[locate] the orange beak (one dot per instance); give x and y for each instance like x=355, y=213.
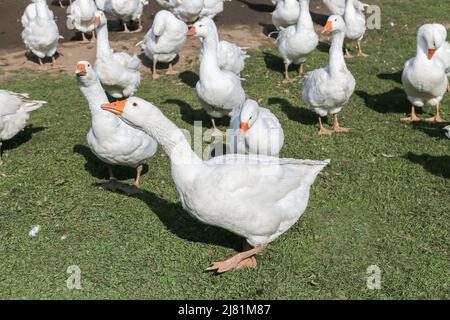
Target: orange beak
x=244, y=126
x=96, y=21
x=115, y=107
x=81, y=70
x=431, y=53
x=328, y=27
x=191, y=32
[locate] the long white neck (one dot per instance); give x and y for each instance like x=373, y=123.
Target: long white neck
x=304, y=19
x=103, y=48
x=337, y=61
x=350, y=10
x=42, y=10
x=422, y=50
x=96, y=97
x=172, y=140
x=209, y=65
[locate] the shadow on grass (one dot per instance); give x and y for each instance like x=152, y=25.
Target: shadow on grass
x=275, y=63
x=258, y=6
x=437, y=165
x=434, y=130
x=394, y=101
x=21, y=138
x=99, y=170
x=299, y=114
x=180, y=223
x=396, y=76
x=189, y=114
x=190, y=78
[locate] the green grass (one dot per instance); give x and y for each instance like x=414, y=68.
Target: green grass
x=384, y=199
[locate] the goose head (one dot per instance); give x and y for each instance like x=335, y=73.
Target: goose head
x=249, y=114
x=429, y=39
x=447, y=131
x=334, y=24
x=135, y=111
x=100, y=19
x=203, y=28
x=85, y=73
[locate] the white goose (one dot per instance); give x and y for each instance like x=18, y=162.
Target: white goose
x=295, y=43
x=81, y=17
x=124, y=10
x=255, y=130
x=285, y=14
x=337, y=7
x=186, y=10
x=444, y=51
x=211, y=8
x=230, y=57
x=118, y=71
x=424, y=78
x=329, y=88
x=40, y=34
x=164, y=40
x=110, y=139
x=256, y=197
x=219, y=91
x=355, y=22
x=14, y=113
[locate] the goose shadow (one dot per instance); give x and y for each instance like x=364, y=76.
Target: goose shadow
x=30, y=56
x=434, y=130
x=437, y=165
x=259, y=7
x=393, y=101
x=99, y=170
x=269, y=30
x=298, y=114
x=274, y=63
x=180, y=223
x=148, y=63
x=189, y=114
x=395, y=76
x=323, y=46
x=189, y=78
x=319, y=18
x=21, y=138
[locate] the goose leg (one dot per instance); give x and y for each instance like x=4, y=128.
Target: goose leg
x=437, y=117
x=413, y=117
x=360, y=52
x=336, y=126
x=217, y=132
x=301, y=70
x=286, y=74
x=94, y=37
x=155, y=74
x=60, y=4
x=125, y=27
x=139, y=29
x=347, y=53
x=40, y=62
x=233, y=262
x=137, y=182
x=249, y=262
x=1, y=161
x=53, y=60
x=85, y=40
x=171, y=71
x=322, y=130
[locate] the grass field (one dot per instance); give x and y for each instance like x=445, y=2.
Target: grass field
x=384, y=200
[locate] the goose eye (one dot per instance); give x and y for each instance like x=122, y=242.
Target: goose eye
x=134, y=104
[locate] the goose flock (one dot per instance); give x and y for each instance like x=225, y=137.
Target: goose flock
x=229, y=191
